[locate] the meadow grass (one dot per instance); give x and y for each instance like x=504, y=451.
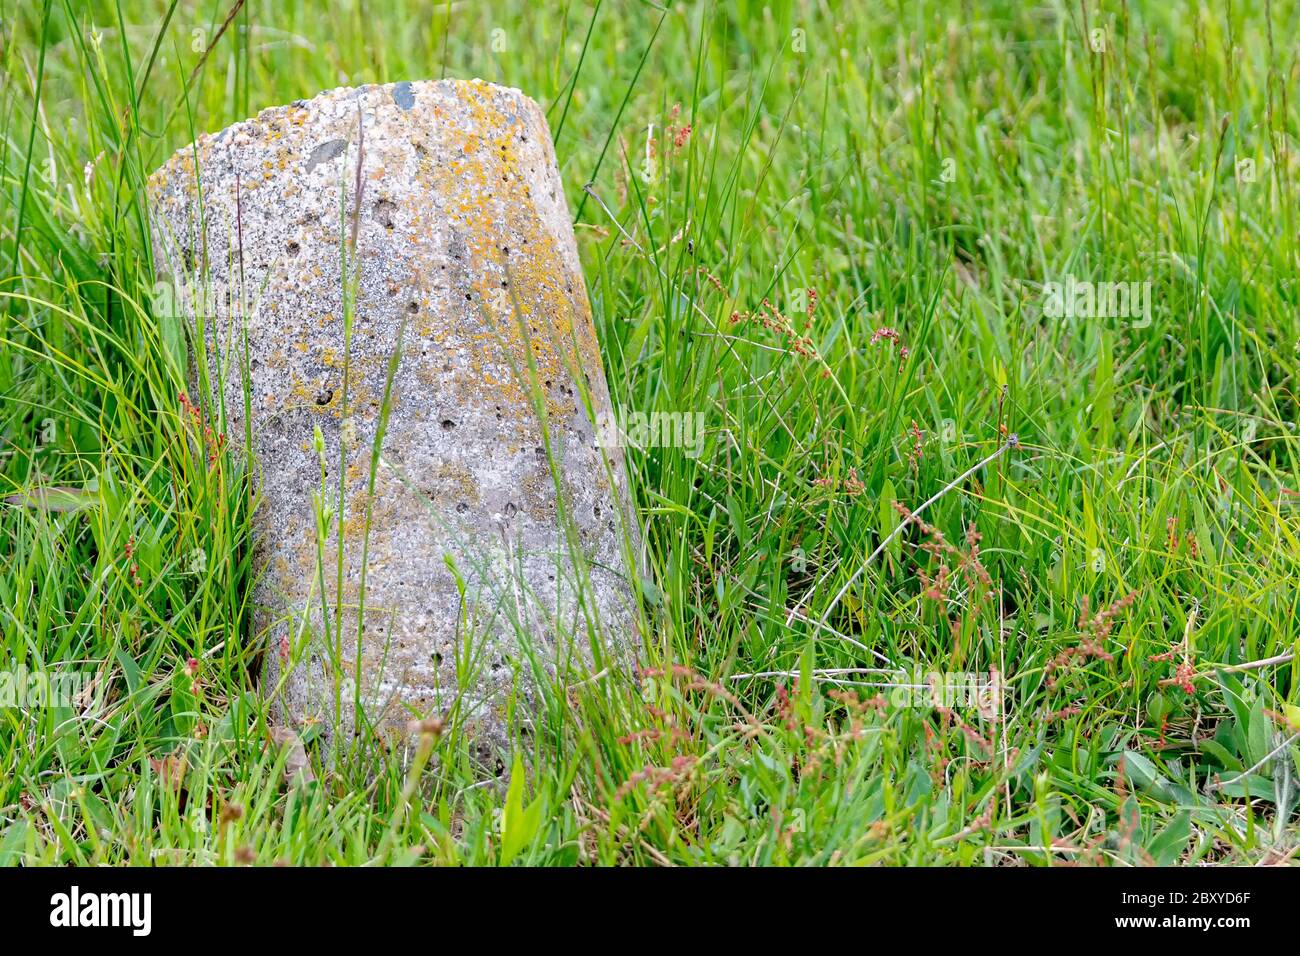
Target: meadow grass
x=851, y=237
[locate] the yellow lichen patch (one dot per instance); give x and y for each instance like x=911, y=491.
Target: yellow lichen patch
x=530, y=300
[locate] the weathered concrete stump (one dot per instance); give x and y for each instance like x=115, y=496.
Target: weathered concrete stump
x=465, y=251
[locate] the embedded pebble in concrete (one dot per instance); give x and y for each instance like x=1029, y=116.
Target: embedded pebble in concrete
x=464, y=247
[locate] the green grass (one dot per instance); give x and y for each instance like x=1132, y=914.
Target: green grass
x=925, y=167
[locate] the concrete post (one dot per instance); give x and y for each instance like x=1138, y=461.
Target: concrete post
x=489, y=465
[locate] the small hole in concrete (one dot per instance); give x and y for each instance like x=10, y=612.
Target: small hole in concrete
x=384, y=210
x=448, y=424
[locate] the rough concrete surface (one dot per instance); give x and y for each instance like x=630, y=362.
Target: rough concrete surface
x=464, y=240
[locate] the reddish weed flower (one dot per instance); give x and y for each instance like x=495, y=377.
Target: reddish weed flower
x=968, y=562
x=769, y=318
x=1096, y=629
x=653, y=735
x=857, y=704
x=1184, y=675
x=716, y=283
x=133, y=567
x=917, y=452
x=852, y=484
x=937, y=589
x=210, y=442
x=673, y=775
x=1103, y=621
x=889, y=334
x=785, y=705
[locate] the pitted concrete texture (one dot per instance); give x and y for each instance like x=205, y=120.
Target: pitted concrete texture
x=464, y=240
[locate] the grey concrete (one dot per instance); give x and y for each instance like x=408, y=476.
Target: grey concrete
x=464, y=238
